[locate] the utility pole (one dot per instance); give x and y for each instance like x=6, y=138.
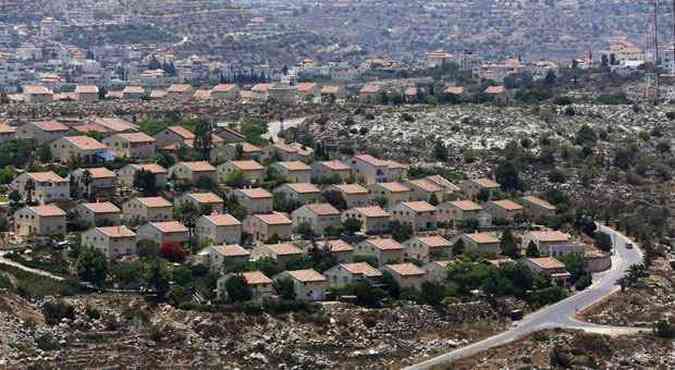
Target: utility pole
x=673, y=60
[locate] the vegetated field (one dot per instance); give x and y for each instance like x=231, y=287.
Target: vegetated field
x=121, y=34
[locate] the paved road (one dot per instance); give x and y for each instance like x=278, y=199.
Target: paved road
x=561, y=314
x=6, y=261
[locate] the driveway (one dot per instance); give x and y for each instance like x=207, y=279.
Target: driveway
x=563, y=313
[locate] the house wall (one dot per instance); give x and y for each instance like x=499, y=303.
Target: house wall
x=314, y=291
x=110, y=247
x=45, y=192
x=255, y=206
x=27, y=223
x=135, y=211
x=95, y=219
x=218, y=234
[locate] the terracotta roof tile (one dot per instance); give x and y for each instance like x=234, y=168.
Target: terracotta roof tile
x=223, y=220
x=48, y=176
x=154, y=202
x=373, y=211
x=394, y=187
x=284, y=249
x=303, y=188
x=540, y=202
x=102, y=207
x=247, y=165
x=182, y=132
x=85, y=142
x=48, y=211
x=550, y=236
x=547, y=263
x=351, y=189
x=466, y=205
x=434, y=241
x=116, y=231
x=275, y=218
x=323, y=209
x=406, y=269
x=419, y=206
x=198, y=166
x=51, y=126
x=206, y=198
x=483, y=238
x=137, y=137
x=361, y=268
x=256, y=278
x=101, y=173
x=294, y=166
x=233, y=250
x=508, y=205
x=255, y=193
x=385, y=244
x=336, y=165
x=307, y=276
x=170, y=227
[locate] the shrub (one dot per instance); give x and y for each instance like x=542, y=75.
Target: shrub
x=173, y=252
x=584, y=282
x=47, y=342
x=92, y=313
x=664, y=329
x=54, y=312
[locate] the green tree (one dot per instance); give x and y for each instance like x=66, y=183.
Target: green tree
x=532, y=250
x=188, y=213
x=575, y=265
x=440, y=151
x=45, y=154
x=6, y=175
x=432, y=293
x=508, y=176
x=235, y=179
x=401, y=231
x=284, y=288
x=146, y=183
x=204, y=139
x=237, y=289
x=433, y=200
x=458, y=248
x=157, y=277
x=508, y=245
x=586, y=136
x=92, y=266
x=366, y=294
x=352, y=225
x=305, y=230
x=390, y=285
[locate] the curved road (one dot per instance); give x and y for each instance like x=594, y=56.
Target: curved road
x=561, y=314
x=7, y=261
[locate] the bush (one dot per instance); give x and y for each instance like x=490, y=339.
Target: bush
x=92, y=313
x=173, y=252
x=54, y=312
x=664, y=329
x=47, y=342
x=584, y=282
